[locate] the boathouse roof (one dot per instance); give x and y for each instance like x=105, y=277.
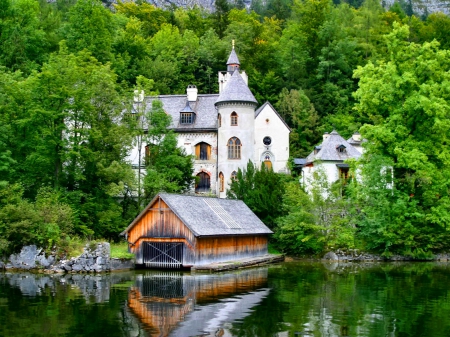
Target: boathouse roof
x=206, y=216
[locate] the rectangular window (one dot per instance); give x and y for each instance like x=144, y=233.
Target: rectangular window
x=186, y=118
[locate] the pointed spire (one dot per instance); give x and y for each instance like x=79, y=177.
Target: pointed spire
x=233, y=59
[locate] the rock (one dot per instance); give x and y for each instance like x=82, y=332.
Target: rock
x=331, y=256
x=26, y=259
x=67, y=267
x=2, y=265
x=77, y=267
x=120, y=264
x=45, y=262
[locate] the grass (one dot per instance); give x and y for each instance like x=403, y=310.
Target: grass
x=120, y=251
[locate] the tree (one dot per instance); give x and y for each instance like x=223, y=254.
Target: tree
x=68, y=132
x=407, y=101
x=45, y=222
x=90, y=27
x=24, y=43
x=261, y=190
x=168, y=167
x=316, y=219
x=297, y=110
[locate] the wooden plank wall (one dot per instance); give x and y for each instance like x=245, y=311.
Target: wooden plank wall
x=161, y=224
x=226, y=248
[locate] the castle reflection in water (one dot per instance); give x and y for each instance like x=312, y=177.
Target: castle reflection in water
x=181, y=304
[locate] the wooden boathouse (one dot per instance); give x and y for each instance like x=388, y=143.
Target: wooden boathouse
x=177, y=231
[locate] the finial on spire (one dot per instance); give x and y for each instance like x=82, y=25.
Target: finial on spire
x=232, y=43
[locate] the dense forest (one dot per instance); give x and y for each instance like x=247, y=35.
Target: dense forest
x=68, y=70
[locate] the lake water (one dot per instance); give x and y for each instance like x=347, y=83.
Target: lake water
x=288, y=299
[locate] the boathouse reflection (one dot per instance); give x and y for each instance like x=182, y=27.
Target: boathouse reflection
x=181, y=304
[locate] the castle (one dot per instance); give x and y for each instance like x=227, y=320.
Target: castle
x=225, y=130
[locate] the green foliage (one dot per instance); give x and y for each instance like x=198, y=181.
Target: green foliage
x=409, y=133
x=261, y=190
x=65, y=68
x=315, y=220
x=91, y=27
x=298, y=111
x=44, y=222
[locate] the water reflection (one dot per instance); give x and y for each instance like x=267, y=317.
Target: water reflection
x=289, y=299
x=177, y=304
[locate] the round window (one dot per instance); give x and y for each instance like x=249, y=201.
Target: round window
x=267, y=140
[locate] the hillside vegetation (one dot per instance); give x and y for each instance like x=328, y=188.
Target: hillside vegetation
x=68, y=70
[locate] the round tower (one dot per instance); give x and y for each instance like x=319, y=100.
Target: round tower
x=236, y=115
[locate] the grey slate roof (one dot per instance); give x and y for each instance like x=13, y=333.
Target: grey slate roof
x=195, y=213
x=268, y=103
x=233, y=59
x=205, y=111
x=328, y=150
x=299, y=161
x=236, y=90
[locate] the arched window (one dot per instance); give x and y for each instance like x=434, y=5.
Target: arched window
x=233, y=175
x=221, y=182
x=234, y=118
x=268, y=162
x=219, y=120
x=202, y=151
x=234, y=148
x=203, y=183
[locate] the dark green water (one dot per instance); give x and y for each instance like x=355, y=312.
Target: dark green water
x=289, y=299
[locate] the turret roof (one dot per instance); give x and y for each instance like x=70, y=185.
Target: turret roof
x=236, y=90
x=233, y=59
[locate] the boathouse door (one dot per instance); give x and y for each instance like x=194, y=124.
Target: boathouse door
x=163, y=254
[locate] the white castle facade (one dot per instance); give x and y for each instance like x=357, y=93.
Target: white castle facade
x=224, y=131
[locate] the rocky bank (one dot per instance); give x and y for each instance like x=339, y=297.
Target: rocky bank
x=96, y=258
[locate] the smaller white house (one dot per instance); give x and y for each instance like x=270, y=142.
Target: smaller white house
x=329, y=158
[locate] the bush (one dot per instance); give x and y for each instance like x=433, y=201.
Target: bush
x=22, y=222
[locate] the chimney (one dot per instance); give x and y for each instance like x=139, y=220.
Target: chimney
x=356, y=137
x=139, y=96
x=191, y=92
x=326, y=135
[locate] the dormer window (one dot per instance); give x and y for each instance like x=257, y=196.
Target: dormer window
x=187, y=115
x=341, y=148
x=317, y=149
x=186, y=118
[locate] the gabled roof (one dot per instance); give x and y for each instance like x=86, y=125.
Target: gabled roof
x=205, y=216
x=206, y=114
x=257, y=112
x=329, y=150
x=233, y=59
x=236, y=90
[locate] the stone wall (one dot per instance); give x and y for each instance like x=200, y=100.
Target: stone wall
x=95, y=258
x=354, y=255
